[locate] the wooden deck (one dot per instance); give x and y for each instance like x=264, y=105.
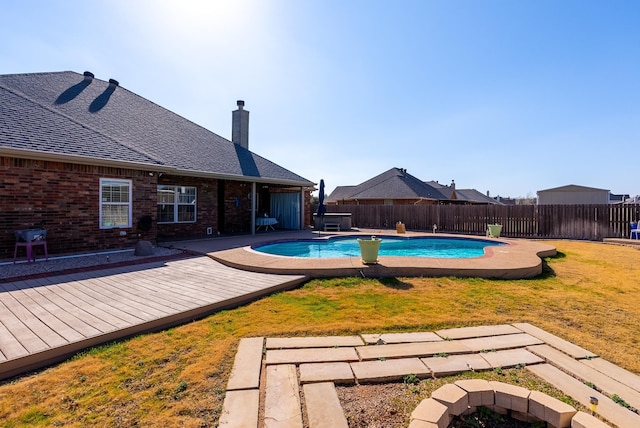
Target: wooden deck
x=46, y=320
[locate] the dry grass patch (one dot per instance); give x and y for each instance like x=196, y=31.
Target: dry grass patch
x=588, y=295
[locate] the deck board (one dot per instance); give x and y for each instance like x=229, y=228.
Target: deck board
x=42, y=318
x=50, y=329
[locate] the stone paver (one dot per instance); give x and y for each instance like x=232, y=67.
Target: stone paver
x=310, y=355
x=587, y=374
x=452, y=396
x=479, y=391
x=389, y=370
x=430, y=410
x=453, y=364
x=507, y=341
x=567, y=347
x=245, y=373
x=511, y=397
x=424, y=349
x=585, y=420
x=511, y=358
x=240, y=409
x=550, y=409
x=480, y=331
x=326, y=372
x=417, y=423
x=282, y=398
x=580, y=392
x=313, y=342
x=323, y=406
x=427, y=336
x=616, y=372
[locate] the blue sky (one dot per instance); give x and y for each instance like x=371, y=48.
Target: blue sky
x=507, y=96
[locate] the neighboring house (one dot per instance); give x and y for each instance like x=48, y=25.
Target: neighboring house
x=573, y=195
x=101, y=167
x=463, y=196
x=393, y=187
x=397, y=187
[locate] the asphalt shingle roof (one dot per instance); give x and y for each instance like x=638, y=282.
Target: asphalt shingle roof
x=63, y=114
x=392, y=184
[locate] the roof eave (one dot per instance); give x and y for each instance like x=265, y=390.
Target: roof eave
x=87, y=160
x=79, y=159
x=237, y=177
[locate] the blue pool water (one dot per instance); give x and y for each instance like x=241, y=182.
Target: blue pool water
x=390, y=246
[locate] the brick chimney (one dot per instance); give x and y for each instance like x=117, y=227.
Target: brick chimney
x=240, y=126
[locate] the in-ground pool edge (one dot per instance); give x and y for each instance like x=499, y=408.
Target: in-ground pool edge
x=520, y=259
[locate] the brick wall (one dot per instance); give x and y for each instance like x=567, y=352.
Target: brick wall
x=206, y=209
x=64, y=199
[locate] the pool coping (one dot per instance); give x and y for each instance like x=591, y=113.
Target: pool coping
x=519, y=259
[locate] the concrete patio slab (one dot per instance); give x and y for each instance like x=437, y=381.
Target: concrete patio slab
x=310, y=355
x=282, y=398
x=245, y=373
x=389, y=370
x=453, y=364
x=313, y=342
x=339, y=373
x=602, y=381
x=323, y=406
x=491, y=343
x=616, y=372
x=388, y=338
x=585, y=420
x=565, y=346
x=240, y=409
x=479, y=331
x=511, y=358
x=423, y=349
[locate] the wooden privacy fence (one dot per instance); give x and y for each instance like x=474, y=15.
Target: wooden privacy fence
x=589, y=222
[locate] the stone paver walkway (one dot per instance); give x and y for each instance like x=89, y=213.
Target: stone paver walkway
x=295, y=378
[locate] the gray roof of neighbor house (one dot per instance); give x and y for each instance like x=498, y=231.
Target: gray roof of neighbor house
x=464, y=195
x=573, y=188
x=395, y=183
x=65, y=116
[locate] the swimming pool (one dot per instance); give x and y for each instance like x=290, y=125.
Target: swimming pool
x=390, y=246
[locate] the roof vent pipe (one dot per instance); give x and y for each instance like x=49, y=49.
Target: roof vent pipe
x=88, y=76
x=453, y=184
x=113, y=83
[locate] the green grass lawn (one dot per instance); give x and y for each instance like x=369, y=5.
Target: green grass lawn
x=588, y=295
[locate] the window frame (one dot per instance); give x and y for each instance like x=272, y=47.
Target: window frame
x=129, y=204
x=177, y=204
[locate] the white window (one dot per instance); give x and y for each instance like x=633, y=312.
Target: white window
x=176, y=204
x=115, y=203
